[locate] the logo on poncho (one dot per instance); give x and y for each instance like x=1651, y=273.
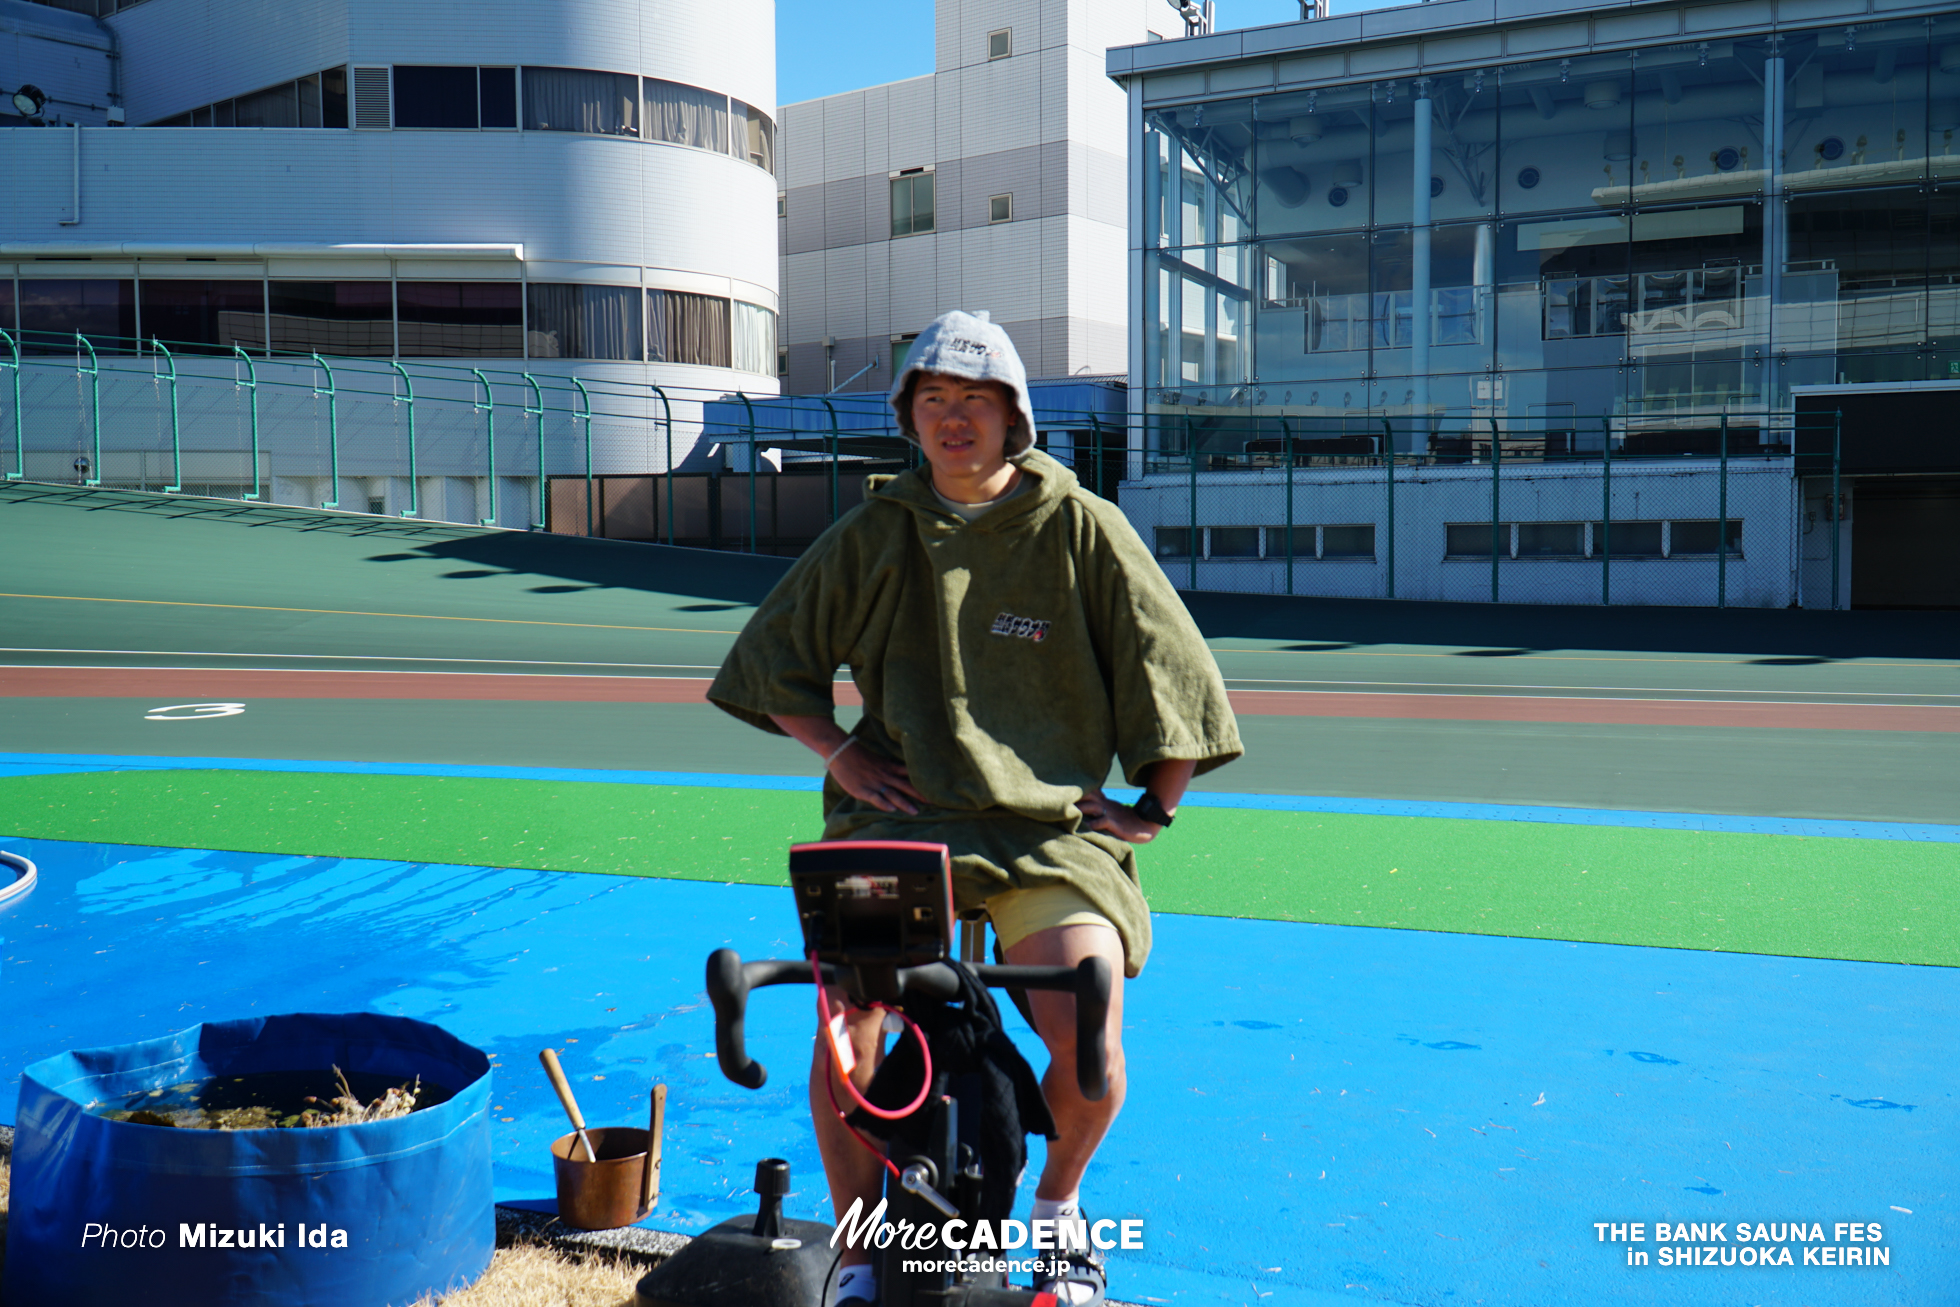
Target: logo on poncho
x=1021, y=628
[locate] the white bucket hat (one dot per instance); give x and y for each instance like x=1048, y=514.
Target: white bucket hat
x=971, y=346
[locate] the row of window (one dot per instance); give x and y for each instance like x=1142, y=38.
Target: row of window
x=1664, y=538
x=316, y=100
x=406, y=319
x=912, y=193
x=463, y=97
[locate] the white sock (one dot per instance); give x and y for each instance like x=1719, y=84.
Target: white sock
x=860, y=1282
x=1071, y=1233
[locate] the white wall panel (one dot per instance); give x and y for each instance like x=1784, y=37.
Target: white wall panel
x=803, y=295
x=909, y=124
x=999, y=106
x=843, y=136
x=844, y=291
x=914, y=282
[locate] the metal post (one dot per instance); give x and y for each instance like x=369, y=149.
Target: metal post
x=20, y=448
x=95, y=404
x=586, y=417
x=1191, y=453
x=176, y=435
x=414, y=483
x=668, y=410
x=489, y=410
x=1496, y=466
x=1286, y=446
x=1722, y=523
x=333, y=434
x=1606, y=514
x=1837, y=502
x=251, y=386
x=755, y=456
x=1388, y=444
x=833, y=462
x=537, y=394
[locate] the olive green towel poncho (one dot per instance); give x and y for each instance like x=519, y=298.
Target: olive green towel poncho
x=1005, y=662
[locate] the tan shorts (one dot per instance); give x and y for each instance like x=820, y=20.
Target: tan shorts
x=1019, y=913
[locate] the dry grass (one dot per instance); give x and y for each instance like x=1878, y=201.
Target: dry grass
x=527, y=1275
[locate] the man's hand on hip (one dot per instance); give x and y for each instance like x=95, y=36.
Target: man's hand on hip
x=1108, y=817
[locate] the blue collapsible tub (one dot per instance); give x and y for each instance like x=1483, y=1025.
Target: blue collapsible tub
x=109, y=1211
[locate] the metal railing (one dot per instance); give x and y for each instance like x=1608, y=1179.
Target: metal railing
x=1723, y=508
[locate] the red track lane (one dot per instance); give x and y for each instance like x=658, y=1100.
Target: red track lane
x=160, y=686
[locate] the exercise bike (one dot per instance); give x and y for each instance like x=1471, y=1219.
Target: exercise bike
x=877, y=919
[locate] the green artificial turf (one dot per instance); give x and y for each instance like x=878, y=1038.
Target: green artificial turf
x=1873, y=900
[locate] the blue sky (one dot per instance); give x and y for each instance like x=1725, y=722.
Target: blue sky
x=824, y=48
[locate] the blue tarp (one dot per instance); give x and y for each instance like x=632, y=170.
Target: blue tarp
x=110, y=1211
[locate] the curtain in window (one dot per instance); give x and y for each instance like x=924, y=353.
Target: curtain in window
x=575, y=100
x=684, y=328
x=584, y=322
x=687, y=115
x=753, y=136
x=754, y=339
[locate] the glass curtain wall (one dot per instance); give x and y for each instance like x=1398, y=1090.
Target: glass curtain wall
x=1660, y=237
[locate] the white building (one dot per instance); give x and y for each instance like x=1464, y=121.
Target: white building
x=996, y=182
x=505, y=200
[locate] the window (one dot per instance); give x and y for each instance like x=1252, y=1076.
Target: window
x=754, y=339
x=1173, y=542
x=1000, y=44
x=1348, y=541
x=276, y=106
x=315, y=100
x=1699, y=538
x=578, y=100
x=753, y=136
x=782, y=360
x=468, y=319
x=1629, y=540
x=1000, y=208
x=1356, y=541
x=902, y=350
x=435, y=97
x=686, y=328
x=204, y=317
x=1234, y=541
x=782, y=204
x=332, y=317
x=53, y=311
x=911, y=202
x=1551, y=540
x=687, y=115
x=7, y=305
x=496, y=97
x=583, y=322
x=1474, y=540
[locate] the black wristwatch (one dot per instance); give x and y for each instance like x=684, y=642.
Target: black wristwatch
x=1151, y=809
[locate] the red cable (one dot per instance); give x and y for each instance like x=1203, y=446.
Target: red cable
x=925, y=1051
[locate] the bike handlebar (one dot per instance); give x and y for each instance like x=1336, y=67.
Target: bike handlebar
x=730, y=979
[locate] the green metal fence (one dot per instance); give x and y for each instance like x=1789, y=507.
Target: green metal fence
x=1722, y=509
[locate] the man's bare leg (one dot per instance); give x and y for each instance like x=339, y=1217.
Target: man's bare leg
x=1080, y=1123
x=852, y=1170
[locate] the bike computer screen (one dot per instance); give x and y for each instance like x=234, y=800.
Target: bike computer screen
x=883, y=902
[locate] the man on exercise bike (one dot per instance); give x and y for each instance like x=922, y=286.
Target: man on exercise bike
x=1010, y=636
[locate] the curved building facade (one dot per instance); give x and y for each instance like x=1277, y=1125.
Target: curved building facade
x=541, y=193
